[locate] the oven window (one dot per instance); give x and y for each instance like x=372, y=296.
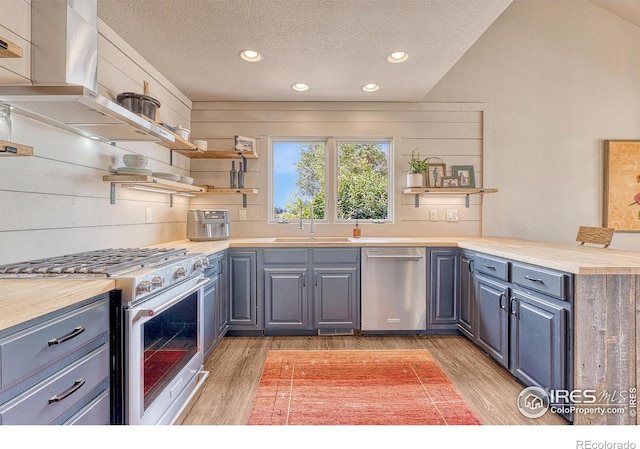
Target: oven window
x=170, y=341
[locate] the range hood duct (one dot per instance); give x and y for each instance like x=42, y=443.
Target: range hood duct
x=64, y=69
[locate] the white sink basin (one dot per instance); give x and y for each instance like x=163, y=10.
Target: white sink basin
x=311, y=240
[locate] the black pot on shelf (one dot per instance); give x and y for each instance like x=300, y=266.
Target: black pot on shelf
x=139, y=104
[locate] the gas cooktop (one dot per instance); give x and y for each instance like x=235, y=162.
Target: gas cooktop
x=109, y=262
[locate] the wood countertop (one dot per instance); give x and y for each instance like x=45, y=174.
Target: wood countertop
x=576, y=259
x=23, y=300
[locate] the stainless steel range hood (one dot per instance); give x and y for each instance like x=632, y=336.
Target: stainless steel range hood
x=64, y=72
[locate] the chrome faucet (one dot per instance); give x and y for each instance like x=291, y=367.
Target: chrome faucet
x=312, y=232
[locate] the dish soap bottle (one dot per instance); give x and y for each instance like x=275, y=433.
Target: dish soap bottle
x=233, y=176
x=357, y=232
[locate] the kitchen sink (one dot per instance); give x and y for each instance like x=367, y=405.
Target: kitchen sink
x=312, y=240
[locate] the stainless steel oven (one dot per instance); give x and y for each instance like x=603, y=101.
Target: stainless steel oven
x=163, y=346
x=156, y=325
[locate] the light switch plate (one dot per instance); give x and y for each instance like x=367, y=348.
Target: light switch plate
x=433, y=215
x=452, y=215
x=242, y=215
x=148, y=215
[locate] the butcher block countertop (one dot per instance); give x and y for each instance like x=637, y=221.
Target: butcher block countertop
x=22, y=300
x=576, y=259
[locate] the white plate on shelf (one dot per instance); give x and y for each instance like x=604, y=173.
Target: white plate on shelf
x=167, y=176
x=133, y=171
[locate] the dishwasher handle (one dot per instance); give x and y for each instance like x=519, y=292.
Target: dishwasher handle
x=415, y=257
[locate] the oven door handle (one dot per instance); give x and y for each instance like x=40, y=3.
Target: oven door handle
x=147, y=313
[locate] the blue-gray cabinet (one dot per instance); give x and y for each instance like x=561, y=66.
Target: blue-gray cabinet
x=216, y=303
x=222, y=315
x=444, y=288
x=523, y=319
x=56, y=369
x=466, y=304
x=308, y=289
x=243, y=294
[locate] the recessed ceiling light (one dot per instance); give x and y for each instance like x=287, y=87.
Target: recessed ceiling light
x=397, y=56
x=250, y=55
x=371, y=87
x=300, y=87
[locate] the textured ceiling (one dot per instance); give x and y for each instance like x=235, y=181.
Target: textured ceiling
x=335, y=46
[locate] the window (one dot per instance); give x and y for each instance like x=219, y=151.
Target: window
x=336, y=178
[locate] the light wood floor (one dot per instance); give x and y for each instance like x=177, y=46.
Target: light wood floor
x=236, y=364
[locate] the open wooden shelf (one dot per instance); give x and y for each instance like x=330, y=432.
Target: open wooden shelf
x=215, y=191
x=14, y=149
x=417, y=191
x=153, y=182
x=188, y=149
x=8, y=49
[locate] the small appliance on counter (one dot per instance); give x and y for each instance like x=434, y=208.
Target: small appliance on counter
x=203, y=225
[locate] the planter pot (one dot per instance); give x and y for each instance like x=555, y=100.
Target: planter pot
x=414, y=180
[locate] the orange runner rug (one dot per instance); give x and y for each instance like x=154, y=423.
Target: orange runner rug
x=403, y=387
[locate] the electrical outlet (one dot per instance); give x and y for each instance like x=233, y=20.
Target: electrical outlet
x=452, y=215
x=242, y=215
x=148, y=215
x=433, y=215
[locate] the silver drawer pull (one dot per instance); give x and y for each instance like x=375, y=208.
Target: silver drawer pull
x=74, y=333
x=65, y=394
x=491, y=267
x=529, y=278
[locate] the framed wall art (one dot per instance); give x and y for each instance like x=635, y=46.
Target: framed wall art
x=622, y=185
x=436, y=173
x=466, y=174
x=451, y=182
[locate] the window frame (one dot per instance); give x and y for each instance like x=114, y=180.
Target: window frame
x=331, y=175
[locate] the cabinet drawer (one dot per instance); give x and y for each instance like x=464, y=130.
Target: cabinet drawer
x=550, y=282
x=32, y=349
x=336, y=255
x=292, y=255
x=492, y=266
x=96, y=412
x=60, y=393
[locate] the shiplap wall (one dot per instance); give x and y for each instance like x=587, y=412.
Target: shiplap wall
x=55, y=201
x=453, y=132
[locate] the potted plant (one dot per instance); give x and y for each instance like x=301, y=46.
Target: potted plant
x=417, y=168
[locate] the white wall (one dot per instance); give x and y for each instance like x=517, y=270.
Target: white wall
x=55, y=202
x=451, y=131
x=561, y=77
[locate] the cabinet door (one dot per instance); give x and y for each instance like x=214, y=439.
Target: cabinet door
x=443, y=289
x=209, y=319
x=492, y=331
x=242, y=289
x=538, y=339
x=285, y=298
x=336, y=299
x=222, y=315
x=466, y=305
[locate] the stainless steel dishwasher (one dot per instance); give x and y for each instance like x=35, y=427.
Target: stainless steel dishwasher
x=394, y=289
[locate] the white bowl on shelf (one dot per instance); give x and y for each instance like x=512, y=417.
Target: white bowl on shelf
x=135, y=160
x=186, y=180
x=202, y=144
x=167, y=176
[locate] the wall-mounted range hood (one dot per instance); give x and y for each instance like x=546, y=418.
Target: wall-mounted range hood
x=64, y=72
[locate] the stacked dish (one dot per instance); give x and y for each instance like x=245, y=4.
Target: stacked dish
x=167, y=176
x=186, y=180
x=134, y=165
